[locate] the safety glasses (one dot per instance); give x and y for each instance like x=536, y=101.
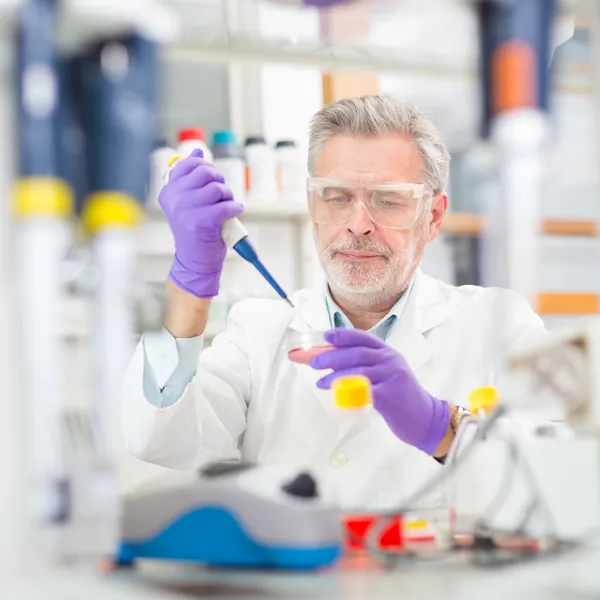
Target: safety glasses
x=389, y=205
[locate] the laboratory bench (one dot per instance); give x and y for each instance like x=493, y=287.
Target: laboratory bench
x=573, y=575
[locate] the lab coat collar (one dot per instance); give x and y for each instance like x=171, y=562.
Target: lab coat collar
x=426, y=307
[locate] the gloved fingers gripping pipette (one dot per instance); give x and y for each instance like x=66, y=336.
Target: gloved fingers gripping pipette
x=199, y=255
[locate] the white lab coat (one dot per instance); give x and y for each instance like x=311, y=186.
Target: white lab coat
x=248, y=400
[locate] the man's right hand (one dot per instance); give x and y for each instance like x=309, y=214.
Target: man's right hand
x=196, y=201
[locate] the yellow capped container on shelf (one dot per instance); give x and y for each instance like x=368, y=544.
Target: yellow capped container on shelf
x=352, y=392
x=483, y=399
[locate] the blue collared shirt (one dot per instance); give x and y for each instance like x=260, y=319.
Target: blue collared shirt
x=382, y=329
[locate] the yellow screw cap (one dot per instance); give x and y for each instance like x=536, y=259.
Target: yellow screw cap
x=483, y=398
x=42, y=197
x=352, y=392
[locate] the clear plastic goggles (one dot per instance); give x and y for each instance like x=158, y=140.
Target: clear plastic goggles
x=389, y=205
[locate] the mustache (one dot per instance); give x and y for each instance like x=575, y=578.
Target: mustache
x=359, y=245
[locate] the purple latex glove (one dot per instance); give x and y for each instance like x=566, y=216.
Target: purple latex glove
x=413, y=415
x=196, y=201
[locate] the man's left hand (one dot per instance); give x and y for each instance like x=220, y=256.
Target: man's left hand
x=413, y=415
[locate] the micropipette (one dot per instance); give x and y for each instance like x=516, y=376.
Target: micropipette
x=235, y=236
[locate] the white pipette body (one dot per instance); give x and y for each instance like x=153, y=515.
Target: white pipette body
x=232, y=231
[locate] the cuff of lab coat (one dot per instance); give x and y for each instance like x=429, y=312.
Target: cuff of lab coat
x=169, y=366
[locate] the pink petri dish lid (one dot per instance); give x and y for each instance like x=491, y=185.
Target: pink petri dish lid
x=302, y=356
x=301, y=346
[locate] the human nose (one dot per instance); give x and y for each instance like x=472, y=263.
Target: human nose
x=360, y=222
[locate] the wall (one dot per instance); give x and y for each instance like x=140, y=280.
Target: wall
x=194, y=95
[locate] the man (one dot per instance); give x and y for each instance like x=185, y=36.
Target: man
x=377, y=169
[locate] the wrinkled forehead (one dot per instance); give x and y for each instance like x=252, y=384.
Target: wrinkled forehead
x=370, y=160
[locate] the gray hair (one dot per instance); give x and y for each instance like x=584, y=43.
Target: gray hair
x=373, y=116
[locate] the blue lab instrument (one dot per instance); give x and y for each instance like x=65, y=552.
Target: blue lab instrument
x=232, y=515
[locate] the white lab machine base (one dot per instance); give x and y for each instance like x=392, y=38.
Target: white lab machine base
x=493, y=490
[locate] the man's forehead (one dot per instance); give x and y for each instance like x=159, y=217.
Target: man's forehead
x=369, y=160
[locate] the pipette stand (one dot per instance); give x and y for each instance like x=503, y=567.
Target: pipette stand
x=75, y=516
x=516, y=47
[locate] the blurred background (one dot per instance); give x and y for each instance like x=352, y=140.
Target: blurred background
x=243, y=69
x=263, y=68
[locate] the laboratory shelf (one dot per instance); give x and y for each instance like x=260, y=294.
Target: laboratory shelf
x=240, y=48
x=468, y=224
x=572, y=227
x=375, y=36
x=155, y=238
x=565, y=303
x=155, y=242
x=267, y=31
x=275, y=211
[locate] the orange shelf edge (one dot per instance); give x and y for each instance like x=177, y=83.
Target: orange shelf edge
x=570, y=227
x=558, y=303
x=462, y=224
x=469, y=224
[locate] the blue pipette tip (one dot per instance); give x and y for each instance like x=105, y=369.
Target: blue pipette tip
x=245, y=249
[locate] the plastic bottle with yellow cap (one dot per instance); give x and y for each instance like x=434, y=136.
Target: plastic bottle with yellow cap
x=353, y=400
x=352, y=393
x=483, y=400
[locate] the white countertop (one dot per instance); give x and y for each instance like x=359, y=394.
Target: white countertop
x=575, y=575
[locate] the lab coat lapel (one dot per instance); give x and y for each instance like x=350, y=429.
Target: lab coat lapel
x=426, y=308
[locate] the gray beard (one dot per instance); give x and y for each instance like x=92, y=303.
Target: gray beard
x=378, y=296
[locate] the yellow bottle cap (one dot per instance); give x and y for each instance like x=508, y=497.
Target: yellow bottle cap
x=483, y=398
x=352, y=392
